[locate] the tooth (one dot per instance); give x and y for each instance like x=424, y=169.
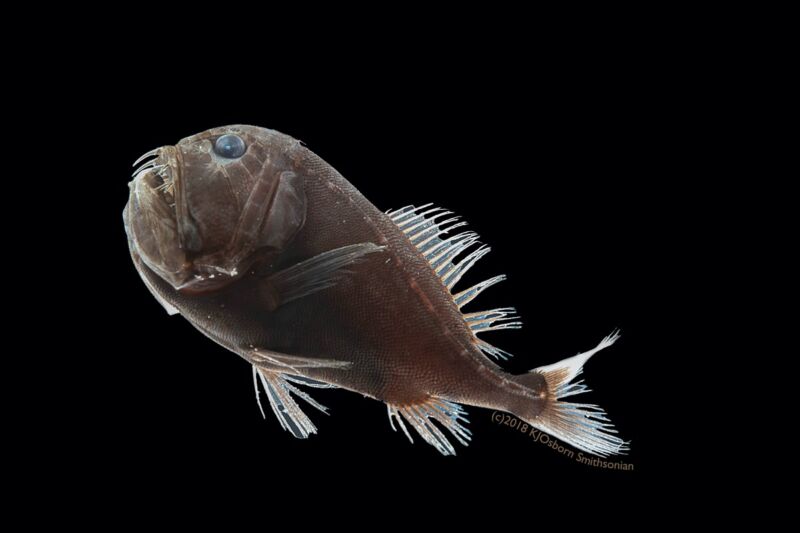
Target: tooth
x=147, y=165
x=154, y=151
x=144, y=170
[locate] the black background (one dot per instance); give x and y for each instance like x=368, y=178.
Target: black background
x=564, y=167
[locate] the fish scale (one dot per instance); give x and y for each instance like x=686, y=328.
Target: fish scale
x=306, y=280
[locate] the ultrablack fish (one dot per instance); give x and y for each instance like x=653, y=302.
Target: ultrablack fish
x=271, y=253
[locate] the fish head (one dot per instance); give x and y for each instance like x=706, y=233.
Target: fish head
x=202, y=211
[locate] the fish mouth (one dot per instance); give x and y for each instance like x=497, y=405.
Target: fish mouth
x=159, y=169
x=153, y=214
x=157, y=185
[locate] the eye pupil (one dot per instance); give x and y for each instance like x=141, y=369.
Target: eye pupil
x=230, y=146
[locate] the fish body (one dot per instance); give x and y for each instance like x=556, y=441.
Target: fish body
x=274, y=255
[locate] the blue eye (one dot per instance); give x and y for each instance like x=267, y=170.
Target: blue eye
x=230, y=146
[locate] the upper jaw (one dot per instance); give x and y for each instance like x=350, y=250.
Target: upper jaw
x=158, y=177
x=160, y=169
x=156, y=164
x=154, y=188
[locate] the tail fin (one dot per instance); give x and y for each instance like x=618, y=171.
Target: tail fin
x=581, y=425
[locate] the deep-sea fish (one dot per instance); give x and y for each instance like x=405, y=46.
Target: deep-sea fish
x=271, y=253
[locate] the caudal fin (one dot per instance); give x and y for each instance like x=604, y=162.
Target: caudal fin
x=581, y=425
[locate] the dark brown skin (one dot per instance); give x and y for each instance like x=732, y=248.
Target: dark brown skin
x=389, y=318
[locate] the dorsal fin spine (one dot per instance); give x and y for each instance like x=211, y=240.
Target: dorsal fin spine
x=464, y=265
x=434, y=228
x=405, y=225
x=412, y=228
x=423, y=227
x=431, y=241
x=467, y=295
x=437, y=253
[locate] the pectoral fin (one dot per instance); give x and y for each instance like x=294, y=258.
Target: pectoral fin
x=315, y=274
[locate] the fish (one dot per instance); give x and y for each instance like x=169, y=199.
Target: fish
x=271, y=253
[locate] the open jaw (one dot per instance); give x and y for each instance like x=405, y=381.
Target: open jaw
x=171, y=206
x=166, y=237
x=158, y=171
x=152, y=218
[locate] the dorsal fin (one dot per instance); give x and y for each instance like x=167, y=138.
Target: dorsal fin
x=426, y=227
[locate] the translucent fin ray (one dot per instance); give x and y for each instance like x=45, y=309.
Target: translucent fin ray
x=466, y=296
x=421, y=416
x=279, y=392
x=425, y=229
x=308, y=382
x=584, y=426
x=458, y=270
x=317, y=273
x=492, y=351
x=494, y=319
x=270, y=361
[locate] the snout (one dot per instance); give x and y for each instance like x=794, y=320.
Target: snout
x=151, y=219
x=160, y=169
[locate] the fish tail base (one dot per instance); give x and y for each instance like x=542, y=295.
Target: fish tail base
x=583, y=426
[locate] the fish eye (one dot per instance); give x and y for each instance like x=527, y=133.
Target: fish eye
x=230, y=146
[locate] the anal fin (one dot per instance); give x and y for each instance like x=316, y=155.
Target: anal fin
x=421, y=416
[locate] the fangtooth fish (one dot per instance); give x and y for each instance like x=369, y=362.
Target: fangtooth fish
x=271, y=253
